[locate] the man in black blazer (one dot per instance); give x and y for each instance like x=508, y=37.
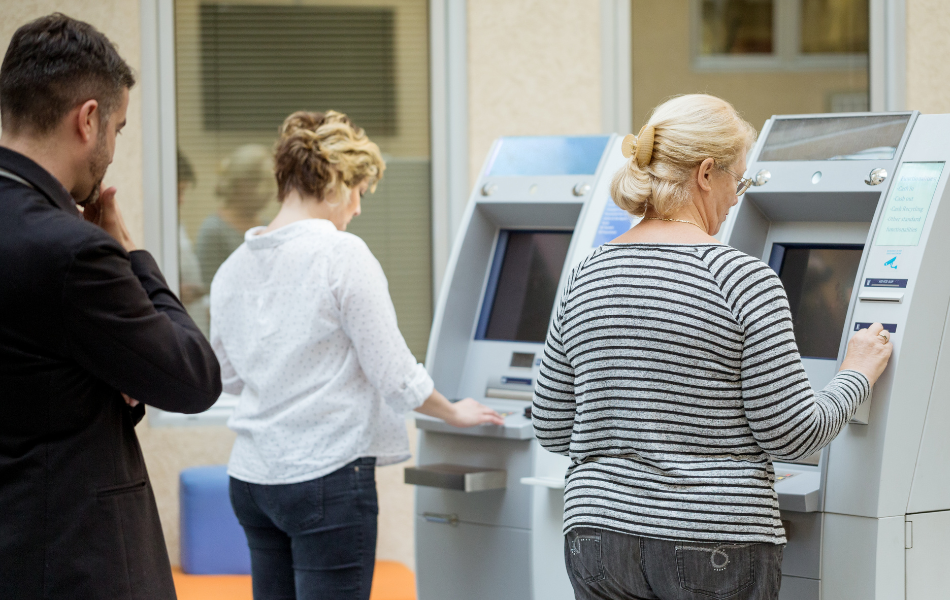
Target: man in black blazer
x=88, y=328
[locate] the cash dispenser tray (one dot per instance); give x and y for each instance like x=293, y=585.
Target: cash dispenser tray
x=457, y=477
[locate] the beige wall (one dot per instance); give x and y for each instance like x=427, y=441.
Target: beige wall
x=118, y=19
x=928, y=46
x=534, y=69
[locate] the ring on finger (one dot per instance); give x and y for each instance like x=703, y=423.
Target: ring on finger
x=884, y=335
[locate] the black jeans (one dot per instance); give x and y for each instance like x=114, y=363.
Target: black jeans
x=606, y=565
x=311, y=540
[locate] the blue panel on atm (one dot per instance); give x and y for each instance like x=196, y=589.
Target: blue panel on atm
x=888, y=283
x=548, y=155
x=891, y=327
x=613, y=223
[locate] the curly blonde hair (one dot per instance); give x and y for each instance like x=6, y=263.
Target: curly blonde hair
x=323, y=154
x=680, y=134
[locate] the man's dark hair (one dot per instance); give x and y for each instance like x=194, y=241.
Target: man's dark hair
x=54, y=64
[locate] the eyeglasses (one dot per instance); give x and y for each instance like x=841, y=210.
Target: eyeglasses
x=744, y=182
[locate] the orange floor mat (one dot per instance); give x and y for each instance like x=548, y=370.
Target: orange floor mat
x=391, y=581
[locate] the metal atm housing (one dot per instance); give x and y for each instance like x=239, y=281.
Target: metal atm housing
x=855, y=206
x=852, y=212
x=488, y=514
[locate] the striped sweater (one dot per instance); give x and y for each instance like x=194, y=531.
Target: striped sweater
x=671, y=378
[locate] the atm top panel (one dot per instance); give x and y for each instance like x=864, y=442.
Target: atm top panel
x=853, y=137
x=547, y=155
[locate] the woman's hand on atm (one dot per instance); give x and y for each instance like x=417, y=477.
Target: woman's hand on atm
x=464, y=413
x=868, y=352
x=469, y=412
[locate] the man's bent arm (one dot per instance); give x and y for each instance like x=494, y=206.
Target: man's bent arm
x=126, y=327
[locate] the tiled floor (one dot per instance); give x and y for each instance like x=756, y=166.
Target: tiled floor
x=391, y=581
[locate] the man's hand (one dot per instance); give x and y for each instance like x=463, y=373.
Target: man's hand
x=105, y=213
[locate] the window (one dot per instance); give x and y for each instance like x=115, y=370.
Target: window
x=780, y=34
x=766, y=57
x=260, y=63
x=242, y=66
x=737, y=27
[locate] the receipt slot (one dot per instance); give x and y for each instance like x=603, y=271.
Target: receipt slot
x=867, y=518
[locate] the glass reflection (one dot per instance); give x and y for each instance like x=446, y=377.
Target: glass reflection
x=737, y=26
x=245, y=186
x=819, y=282
x=834, y=26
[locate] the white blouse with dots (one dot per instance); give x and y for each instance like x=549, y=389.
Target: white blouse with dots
x=305, y=330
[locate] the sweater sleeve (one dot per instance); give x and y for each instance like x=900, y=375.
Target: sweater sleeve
x=554, y=402
x=789, y=420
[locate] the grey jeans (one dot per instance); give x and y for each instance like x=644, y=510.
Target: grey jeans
x=606, y=565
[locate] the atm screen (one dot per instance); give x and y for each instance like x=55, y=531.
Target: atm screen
x=522, y=285
x=818, y=280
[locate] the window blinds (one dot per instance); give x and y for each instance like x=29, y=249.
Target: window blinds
x=243, y=66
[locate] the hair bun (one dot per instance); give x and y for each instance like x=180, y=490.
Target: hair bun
x=302, y=121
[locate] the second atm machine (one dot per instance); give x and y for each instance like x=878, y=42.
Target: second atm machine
x=489, y=504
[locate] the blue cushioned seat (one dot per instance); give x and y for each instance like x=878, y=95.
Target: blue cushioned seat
x=212, y=540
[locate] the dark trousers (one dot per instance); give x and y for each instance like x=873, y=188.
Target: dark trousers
x=606, y=565
x=311, y=540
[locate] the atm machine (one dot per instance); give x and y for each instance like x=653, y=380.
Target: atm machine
x=489, y=500
x=852, y=212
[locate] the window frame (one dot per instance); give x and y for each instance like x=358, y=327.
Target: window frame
x=787, y=55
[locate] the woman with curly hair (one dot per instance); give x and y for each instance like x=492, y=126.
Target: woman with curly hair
x=305, y=330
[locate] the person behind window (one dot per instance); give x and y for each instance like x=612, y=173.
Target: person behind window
x=672, y=379
x=304, y=327
x=193, y=290
x=245, y=186
x=88, y=327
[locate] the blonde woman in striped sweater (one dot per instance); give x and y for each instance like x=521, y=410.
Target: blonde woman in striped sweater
x=672, y=379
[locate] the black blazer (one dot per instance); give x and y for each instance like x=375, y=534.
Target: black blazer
x=82, y=320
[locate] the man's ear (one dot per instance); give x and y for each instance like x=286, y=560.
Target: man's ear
x=87, y=120
x=704, y=174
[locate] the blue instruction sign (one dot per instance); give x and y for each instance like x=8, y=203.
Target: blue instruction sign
x=614, y=222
